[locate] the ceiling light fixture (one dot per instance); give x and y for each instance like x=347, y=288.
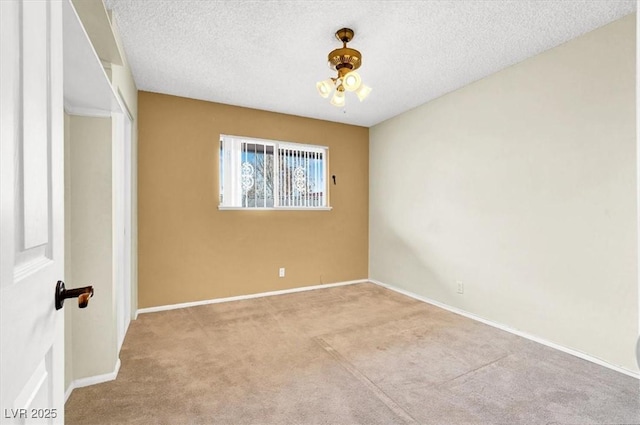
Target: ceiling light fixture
x=344, y=61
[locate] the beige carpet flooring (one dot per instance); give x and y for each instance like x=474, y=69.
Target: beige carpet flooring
x=357, y=354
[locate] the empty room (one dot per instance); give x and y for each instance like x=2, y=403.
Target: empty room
x=319, y=212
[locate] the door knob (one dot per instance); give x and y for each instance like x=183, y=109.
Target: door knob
x=83, y=295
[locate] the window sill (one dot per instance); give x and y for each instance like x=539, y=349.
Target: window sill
x=221, y=208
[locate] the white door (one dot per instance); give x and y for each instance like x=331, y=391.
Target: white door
x=31, y=212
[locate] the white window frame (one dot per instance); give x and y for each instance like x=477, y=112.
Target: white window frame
x=230, y=183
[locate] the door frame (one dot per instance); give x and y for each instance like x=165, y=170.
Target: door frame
x=122, y=124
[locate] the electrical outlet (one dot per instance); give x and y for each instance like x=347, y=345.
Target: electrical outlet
x=460, y=287
x=281, y=272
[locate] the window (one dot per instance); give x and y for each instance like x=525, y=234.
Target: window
x=256, y=173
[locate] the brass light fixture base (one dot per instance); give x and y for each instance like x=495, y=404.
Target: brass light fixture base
x=345, y=35
x=344, y=59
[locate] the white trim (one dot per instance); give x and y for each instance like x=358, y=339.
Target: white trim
x=246, y=297
x=509, y=329
x=92, y=380
x=221, y=208
x=68, y=392
x=123, y=105
x=87, y=112
x=273, y=142
x=638, y=172
x=122, y=108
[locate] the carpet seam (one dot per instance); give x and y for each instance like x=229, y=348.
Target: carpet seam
x=475, y=370
x=381, y=395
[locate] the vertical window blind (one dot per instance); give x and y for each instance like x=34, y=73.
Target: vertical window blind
x=257, y=173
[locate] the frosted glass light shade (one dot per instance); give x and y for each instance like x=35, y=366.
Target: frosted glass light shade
x=338, y=99
x=363, y=92
x=325, y=87
x=352, y=81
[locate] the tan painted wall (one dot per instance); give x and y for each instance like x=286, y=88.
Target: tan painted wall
x=190, y=251
x=523, y=187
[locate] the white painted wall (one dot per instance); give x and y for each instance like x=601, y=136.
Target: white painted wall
x=522, y=186
x=91, y=345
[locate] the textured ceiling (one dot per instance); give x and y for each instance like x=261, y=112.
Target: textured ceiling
x=269, y=54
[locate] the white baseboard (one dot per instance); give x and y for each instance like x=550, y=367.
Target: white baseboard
x=92, y=380
x=245, y=297
x=510, y=330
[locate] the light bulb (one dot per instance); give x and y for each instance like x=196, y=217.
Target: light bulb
x=352, y=81
x=325, y=87
x=338, y=99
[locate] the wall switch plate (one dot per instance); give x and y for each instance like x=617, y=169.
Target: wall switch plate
x=460, y=287
x=281, y=272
